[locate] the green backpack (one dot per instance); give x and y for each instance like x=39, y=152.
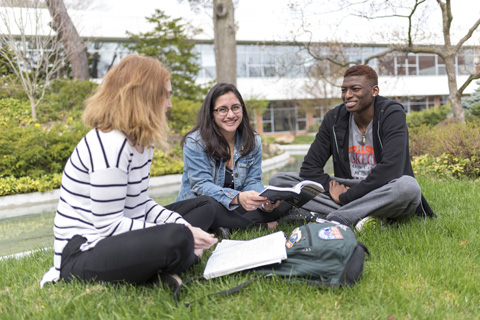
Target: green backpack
x=323, y=254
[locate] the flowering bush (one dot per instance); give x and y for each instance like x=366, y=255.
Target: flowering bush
x=446, y=166
x=451, y=150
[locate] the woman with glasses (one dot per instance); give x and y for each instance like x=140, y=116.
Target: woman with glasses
x=223, y=159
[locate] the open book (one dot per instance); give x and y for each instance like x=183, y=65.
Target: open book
x=297, y=195
x=236, y=255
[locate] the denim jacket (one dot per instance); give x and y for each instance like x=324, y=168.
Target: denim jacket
x=202, y=175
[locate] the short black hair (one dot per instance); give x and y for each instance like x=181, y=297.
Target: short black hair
x=363, y=70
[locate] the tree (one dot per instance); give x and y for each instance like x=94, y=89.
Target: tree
x=30, y=47
x=225, y=43
x=169, y=43
x=414, y=13
x=472, y=103
x=75, y=48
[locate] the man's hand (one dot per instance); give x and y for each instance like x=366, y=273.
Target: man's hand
x=336, y=189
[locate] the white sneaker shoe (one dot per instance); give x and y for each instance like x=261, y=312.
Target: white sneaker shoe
x=367, y=222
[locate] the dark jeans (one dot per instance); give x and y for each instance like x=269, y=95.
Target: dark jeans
x=135, y=256
x=200, y=212
x=138, y=256
x=241, y=219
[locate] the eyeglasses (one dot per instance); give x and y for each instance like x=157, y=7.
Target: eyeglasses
x=223, y=111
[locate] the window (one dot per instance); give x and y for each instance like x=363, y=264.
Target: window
x=206, y=61
x=441, y=68
x=426, y=65
x=406, y=65
x=386, y=66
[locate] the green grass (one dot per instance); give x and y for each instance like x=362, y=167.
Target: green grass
x=417, y=270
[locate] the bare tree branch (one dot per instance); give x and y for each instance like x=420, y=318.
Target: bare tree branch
x=468, y=35
x=470, y=78
x=37, y=54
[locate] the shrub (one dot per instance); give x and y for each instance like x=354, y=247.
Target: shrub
x=183, y=115
x=65, y=98
x=167, y=162
x=446, y=166
x=475, y=111
x=11, y=185
x=452, y=149
x=429, y=118
x=28, y=148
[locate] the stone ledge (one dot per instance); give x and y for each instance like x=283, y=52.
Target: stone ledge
x=38, y=202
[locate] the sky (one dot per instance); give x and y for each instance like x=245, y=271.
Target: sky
x=274, y=20
x=268, y=17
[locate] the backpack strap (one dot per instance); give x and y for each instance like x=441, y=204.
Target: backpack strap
x=364, y=249
x=354, y=267
x=237, y=288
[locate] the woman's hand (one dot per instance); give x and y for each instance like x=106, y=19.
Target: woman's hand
x=250, y=200
x=270, y=206
x=202, y=239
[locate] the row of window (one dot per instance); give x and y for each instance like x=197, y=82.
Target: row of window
x=267, y=61
x=278, y=119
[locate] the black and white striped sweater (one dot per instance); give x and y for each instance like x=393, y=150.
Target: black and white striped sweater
x=104, y=193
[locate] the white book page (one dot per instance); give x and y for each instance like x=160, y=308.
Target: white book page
x=236, y=256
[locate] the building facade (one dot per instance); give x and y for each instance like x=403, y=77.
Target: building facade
x=284, y=75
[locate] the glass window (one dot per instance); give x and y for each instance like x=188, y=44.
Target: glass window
x=417, y=104
x=267, y=120
x=254, y=72
x=301, y=119
x=285, y=119
x=465, y=64
x=210, y=72
x=301, y=125
x=267, y=127
x=241, y=65
x=386, y=66
x=269, y=71
x=426, y=64
x=441, y=69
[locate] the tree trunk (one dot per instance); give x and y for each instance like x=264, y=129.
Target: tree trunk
x=454, y=96
x=33, y=107
x=225, y=42
x=76, y=50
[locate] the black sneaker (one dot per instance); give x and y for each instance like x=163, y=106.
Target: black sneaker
x=170, y=281
x=292, y=218
x=308, y=216
x=223, y=232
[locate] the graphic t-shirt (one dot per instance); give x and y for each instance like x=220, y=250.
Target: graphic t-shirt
x=360, y=151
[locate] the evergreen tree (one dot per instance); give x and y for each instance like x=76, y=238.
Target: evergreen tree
x=472, y=103
x=169, y=43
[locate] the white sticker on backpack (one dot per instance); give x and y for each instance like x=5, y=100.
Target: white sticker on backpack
x=330, y=233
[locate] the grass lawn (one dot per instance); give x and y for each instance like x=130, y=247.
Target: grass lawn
x=417, y=270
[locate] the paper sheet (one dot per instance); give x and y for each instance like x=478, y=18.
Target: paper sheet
x=232, y=255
